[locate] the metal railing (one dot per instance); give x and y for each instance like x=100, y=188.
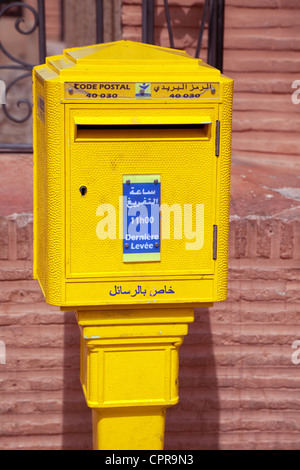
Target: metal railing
x=19, y=65
x=212, y=13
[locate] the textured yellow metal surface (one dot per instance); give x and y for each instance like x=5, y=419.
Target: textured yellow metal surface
x=129, y=373
x=223, y=185
x=100, y=164
x=128, y=429
x=114, y=372
x=73, y=265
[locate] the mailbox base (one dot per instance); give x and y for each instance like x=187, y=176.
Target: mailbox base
x=129, y=373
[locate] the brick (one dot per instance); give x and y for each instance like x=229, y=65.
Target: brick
x=265, y=232
x=23, y=359
x=296, y=240
x=34, y=313
x=239, y=334
x=276, y=158
x=292, y=291
x=183, y=16
x=132, y=33
x=247, y=17
x=26, y=382
x=264, y=39
x=3, y=238
x=238, y=356
x=266, y=3
x=15, y=183
x=258, y=290
x=67, y=441
x=52, y=15
x=262, y=82
x=20, y=291
x=131, y=15
x=265, y=141
x=183, y=39
x=241, y=399
x=12, y=234
x=31, y=403
x=12, y=271
x=187, y=3
x=231, y=441
x=23, y=240
x=41, y=424
x=261, y=61
x=263, y=312
x=30, y=336
x=42, y=402
x=272, y=273
x=293, y=4
x=231, y=242
x=240, y=238
x=277, y=379
x=263, y=121
x=230, y=421
x=286, y=241
x=266, y=102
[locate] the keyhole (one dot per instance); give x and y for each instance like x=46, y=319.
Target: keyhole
x=83, y=190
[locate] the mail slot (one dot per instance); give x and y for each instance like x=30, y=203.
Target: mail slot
x=141, y=132
x=131, y=177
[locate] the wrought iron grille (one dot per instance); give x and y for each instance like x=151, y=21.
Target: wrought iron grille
x=22, y=68
x=213, y=14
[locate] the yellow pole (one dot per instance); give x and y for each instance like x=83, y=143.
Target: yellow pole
x=129, y=373
x=131, y=428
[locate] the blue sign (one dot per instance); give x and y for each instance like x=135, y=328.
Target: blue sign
x=141, y=218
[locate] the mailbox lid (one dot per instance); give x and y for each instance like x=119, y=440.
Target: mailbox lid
x=127, y=59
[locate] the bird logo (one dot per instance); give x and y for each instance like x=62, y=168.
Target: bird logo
x=143, y=90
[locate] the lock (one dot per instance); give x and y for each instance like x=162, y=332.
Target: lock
x=83, y=190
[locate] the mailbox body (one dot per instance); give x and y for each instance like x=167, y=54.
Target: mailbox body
x=119, y=114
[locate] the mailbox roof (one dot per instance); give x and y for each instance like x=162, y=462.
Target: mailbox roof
x=128, y=57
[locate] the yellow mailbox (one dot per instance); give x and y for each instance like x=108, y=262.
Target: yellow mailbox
x=131, y=218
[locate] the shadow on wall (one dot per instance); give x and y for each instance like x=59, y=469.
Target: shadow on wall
x=77, y=417
x=193, y=424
